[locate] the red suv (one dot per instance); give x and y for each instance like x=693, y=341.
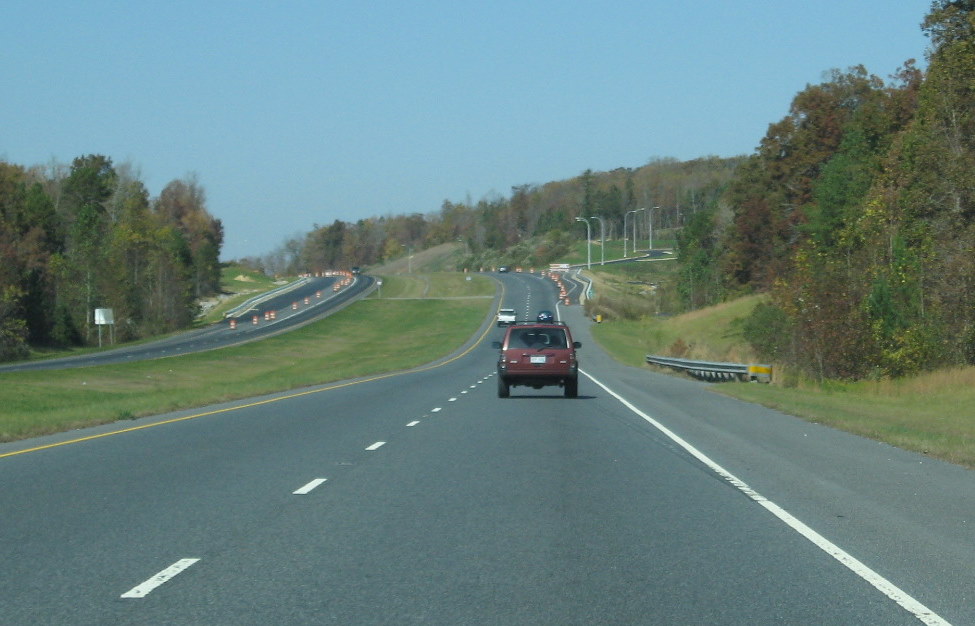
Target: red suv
x=537, y=355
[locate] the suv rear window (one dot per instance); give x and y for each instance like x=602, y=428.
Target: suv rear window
x=538, y=338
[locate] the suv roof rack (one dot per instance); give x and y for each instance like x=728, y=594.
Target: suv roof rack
x=537, y=323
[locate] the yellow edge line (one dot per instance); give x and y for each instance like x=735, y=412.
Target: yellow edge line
x=259, y=403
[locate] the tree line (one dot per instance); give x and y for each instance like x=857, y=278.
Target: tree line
x=86, y=236
x=857, y=215
x=533, y=226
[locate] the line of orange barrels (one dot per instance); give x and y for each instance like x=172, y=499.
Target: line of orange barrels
x=555, y=273
x=271, y=315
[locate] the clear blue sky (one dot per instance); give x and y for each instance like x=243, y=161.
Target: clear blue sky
x=296, y=113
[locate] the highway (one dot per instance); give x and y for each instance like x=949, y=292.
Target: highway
x=423, y=498
x=303, y=301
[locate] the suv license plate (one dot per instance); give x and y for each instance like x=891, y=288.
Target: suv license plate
x=539, y=358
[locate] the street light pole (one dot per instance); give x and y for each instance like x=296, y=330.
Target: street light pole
x=650, y=226
x=626, y=215
x=634, y=229
x=602, y=239
x=588, y=242
x=409, y=258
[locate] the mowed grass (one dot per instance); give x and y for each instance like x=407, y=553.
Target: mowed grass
x=371, y=337
x=933, y=413
x=435, y=285
x=708, y=334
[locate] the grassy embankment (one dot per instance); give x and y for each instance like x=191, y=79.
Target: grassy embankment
x=933, y=413
x=372, y=336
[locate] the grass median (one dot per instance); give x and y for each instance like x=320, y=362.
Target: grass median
x=371, y=337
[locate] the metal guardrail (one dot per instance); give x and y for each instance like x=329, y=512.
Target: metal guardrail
x=716, y=371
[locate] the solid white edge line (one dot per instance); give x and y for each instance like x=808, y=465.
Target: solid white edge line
x=889, y=589
x=141, y=591
x=376, y=445
x=307, y=488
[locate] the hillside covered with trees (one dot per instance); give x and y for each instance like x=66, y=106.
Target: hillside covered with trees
x=533, y=226
x=857, y=215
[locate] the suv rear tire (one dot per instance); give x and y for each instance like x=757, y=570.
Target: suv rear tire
x=504, y=390
x=572, y=388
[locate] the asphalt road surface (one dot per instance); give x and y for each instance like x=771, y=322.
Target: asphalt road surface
x=423, y=498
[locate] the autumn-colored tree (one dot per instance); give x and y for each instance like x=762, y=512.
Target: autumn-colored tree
x=922, y=221
x=86, y=190
x=323, y=249
x=182, y=204
x=129, y=251
x=773, y=194
x=28, y=238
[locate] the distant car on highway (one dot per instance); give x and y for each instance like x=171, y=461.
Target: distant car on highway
x=503, y=269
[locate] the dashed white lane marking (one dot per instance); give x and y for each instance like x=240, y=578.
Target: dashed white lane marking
x=414, y=423
x=435, y=410
x=307, y=488
x=889, y=589
x=452, y=400
x=141, y=591
x=377, y=445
